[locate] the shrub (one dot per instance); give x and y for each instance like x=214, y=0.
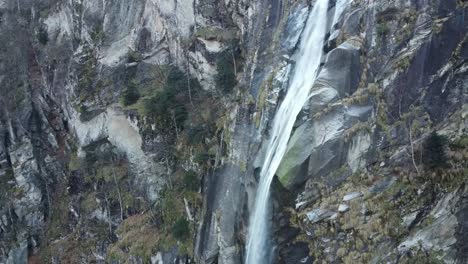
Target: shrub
x=198, y=133
x=166, y=109
x=180, y=229
x=460, y=143
x=403, y=63
x=387, y=15
x=382, y=29
x=87, y=72
x=131, y=94
x=169, y=105
x=191, y=181
x=226, y=77
x=42, y=36
x=97, y=35
x=202, y=158
x=434, y=155
x=134, y=56
x=179, y=114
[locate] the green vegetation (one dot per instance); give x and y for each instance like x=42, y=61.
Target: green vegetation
x=87, y=73
x=131, y=94
x=139, y=237
x=169, y=106
x=437, y=27
x=386, y=15
x=402, y=64
x=42, y=36
x=434, y=155
x=192, y=120
x=460, y=143
x=382, y=222
x=423, y=256
x=198, y=133
x=226, y=67
x=174, y=226
x=58, y=220
x=180, y=229
x=356, y=128
x=406, y=25
x=383, y=17
x=202, y=158
x=134, y=56
x=216, y=33
x=97, y=35
x=382, y=29
x=7, y=184
x=97, y=184
x=191, y=181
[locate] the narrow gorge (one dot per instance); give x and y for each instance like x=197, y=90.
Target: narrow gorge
x=233, y=131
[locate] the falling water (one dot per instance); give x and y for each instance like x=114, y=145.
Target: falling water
x=305, y=72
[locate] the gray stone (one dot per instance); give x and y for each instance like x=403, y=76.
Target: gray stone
x=343, y=208
x=352, y=196
x=318, y=142
x=351, y=23
x=382, y=185
x=409, y=219
x=18, y=255
x=334, y=216
x=318, y=215
x=440, y=235
x=299, y=205
x=294, y=26
x=342, y=68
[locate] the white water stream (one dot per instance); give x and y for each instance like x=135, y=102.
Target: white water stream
x=304, y=75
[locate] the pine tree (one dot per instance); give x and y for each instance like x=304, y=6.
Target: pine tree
x=181, y=229
x=131, y=94
x=226, y=77
x=434, y=155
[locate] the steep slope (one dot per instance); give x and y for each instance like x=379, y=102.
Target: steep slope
x=134, y=131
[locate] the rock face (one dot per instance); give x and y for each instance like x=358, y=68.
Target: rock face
x=123, y=133
x=134, y=131
x=64, y=66
x=440, y=235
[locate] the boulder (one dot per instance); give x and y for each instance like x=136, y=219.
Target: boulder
x=343, y=208
x=352, y=196
x=316, y=147
x=318, y=215
x=342, y=68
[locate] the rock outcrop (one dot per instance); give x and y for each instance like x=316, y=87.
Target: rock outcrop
x=134, y=131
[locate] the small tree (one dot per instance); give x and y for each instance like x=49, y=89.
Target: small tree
x=383, y=29
x=134, y=56
x=168, y=105
x=42, y=36
x=434, y=155
x=131, y=94
x=180, y=229
x=226, y=77
x=191, y=181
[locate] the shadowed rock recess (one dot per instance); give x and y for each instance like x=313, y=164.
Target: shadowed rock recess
x=135, y=131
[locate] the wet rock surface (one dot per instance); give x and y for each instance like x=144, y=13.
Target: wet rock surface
x=87, y=179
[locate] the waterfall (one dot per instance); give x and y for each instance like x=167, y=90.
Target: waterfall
x=307, y=64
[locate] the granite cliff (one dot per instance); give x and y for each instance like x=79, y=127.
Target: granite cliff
x=134, y=131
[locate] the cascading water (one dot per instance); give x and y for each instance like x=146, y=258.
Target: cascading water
x=305, y=72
